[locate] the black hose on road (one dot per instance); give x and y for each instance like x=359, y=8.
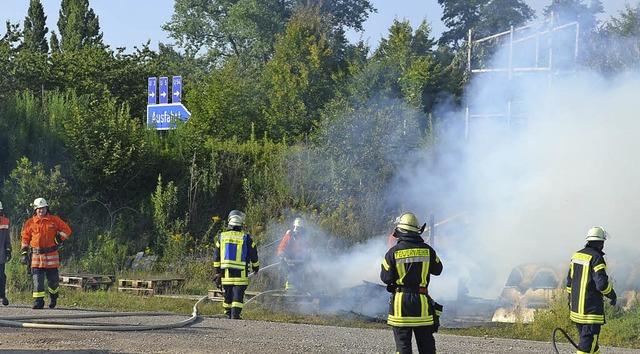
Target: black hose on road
x=553, y=339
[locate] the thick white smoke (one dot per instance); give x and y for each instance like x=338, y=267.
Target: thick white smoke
x=532, y=191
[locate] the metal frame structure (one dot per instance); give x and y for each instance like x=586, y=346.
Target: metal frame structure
x=536, y=41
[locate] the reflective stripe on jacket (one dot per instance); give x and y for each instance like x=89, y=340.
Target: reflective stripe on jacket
x=40, y=234
x=409, y=264
x=235, y=250
x=587, y=282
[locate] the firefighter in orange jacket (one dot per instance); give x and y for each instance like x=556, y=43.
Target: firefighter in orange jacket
x=42, y=234
x=406, y=269
x=5, y=254
x=587, y=283
x=293, y=250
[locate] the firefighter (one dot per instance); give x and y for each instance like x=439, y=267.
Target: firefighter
x=5, y=255
x=42, y=234
x=406, y=269
x=235, y=250
x=587, y=283
x=293, y=250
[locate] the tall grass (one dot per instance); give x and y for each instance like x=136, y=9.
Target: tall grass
x=621, y=330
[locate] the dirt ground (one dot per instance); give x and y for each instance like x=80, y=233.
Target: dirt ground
x=220, y=335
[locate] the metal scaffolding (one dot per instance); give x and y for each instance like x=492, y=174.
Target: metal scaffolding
x=535, y=52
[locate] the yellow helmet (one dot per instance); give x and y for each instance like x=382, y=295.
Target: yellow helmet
x=39, y=203
x=408, y=222
x=236, y=218
x=597, y=233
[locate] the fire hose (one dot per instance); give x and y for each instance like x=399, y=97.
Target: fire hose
x=265, y=268
x=17, y=321
x=553, y=339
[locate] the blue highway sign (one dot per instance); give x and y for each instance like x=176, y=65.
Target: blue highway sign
x=164, y=90
x=176, y=89
x=151, y=90
x=165, y=116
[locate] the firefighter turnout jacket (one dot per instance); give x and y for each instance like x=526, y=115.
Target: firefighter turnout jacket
x=235, y=250
x=293, y=246
x=43, y=236
x=5, y=241
x=406, y=269
x=587, y=282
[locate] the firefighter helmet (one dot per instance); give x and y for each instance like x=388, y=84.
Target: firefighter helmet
x=298, y=225
x=597, y=233
x=408, y=222
x=236, y=218
x=39, y=203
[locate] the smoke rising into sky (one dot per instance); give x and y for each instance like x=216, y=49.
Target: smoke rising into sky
x=532, y=191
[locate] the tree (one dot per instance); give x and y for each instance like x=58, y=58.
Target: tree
x=225, y=104
x=616, y=46
x=565, y=11
x=35, y=29
x=8, y=48
x=483, y=17
x=394, y=55
x=248, y=28
x=302, y=75
x=78, y=25
x=111, y=155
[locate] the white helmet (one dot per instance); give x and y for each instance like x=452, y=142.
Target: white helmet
x=39, y=203
x=298, y=225
x=236, y=218
x=597, y=233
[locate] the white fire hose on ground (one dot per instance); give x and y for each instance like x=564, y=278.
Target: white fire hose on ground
x=17, y=321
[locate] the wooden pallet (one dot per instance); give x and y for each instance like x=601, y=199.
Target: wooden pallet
x=150, y=286
x=87, y=281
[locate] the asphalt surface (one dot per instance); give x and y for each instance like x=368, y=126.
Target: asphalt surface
x=220, y=335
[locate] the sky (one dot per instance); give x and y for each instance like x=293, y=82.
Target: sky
x=127, y=23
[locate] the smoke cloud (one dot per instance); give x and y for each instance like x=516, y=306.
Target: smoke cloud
x=506, y=195
x=531, y=191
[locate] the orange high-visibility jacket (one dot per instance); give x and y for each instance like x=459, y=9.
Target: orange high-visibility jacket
x=292, y=246
x=40, y=234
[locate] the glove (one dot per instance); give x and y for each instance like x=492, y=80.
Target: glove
x=57, y=239
x=613, y=298
x=255, y=270
x=391, y=288
x=25, y=259
x=218, y=280
x=7, y=254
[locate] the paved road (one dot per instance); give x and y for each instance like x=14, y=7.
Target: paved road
x=217, y=335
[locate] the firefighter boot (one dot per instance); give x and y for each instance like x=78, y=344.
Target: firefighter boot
x=54, y=301
x=38, y=303
x=235, y=313
x=227, y=313
x=5, y=301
